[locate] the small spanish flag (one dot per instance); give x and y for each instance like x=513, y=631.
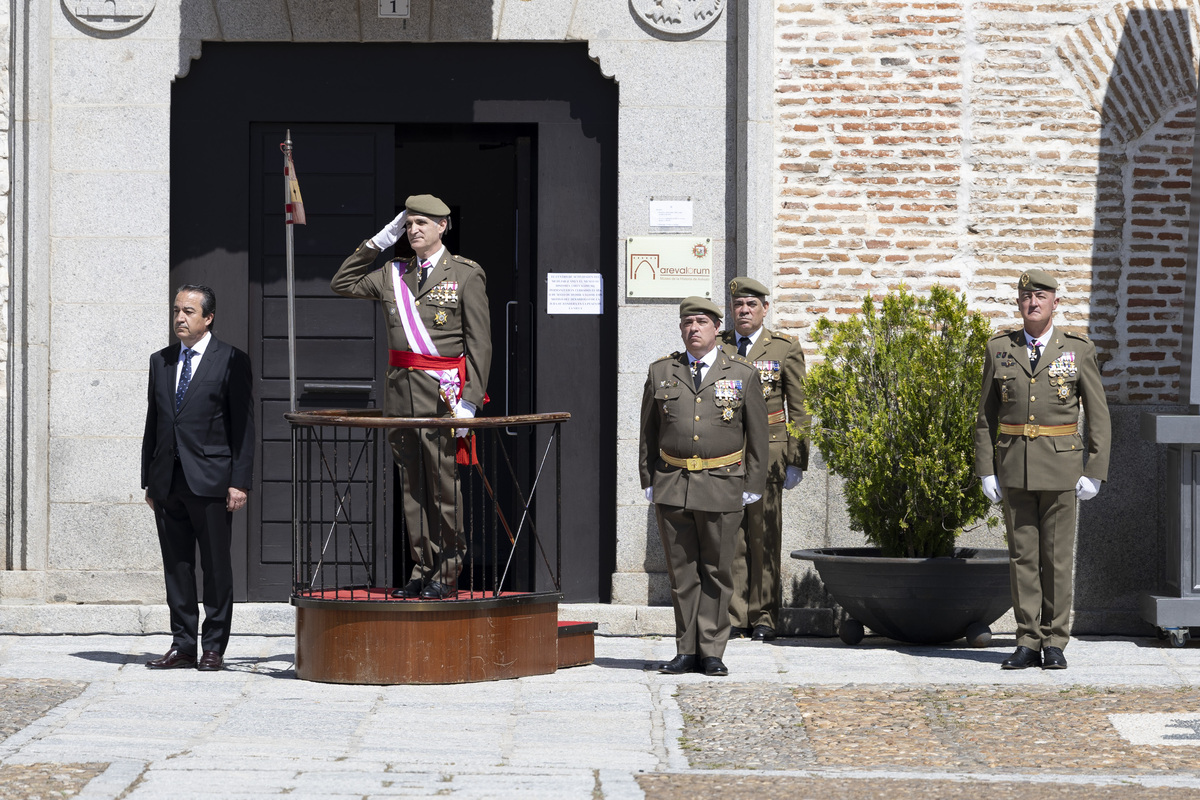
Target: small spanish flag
x=294, y=207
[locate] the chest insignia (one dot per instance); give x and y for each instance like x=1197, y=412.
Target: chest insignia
x=728, y=396
x=439, y=317
x=668, y=384
x=444, y=292
x=1064, y=365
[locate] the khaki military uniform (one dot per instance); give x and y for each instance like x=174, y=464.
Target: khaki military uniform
x=698, y=509
x=757, y=588
x=1039, y=466
x=453, y=306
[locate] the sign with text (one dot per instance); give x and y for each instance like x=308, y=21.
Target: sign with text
x=670, y=213
x=574, y=293
x=393, y=8
x=668, y=267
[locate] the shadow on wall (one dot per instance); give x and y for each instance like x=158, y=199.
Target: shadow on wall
x=1147, y=107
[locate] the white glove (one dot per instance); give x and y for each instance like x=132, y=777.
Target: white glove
x=991, y=487
x=463, y=410
x=749, y=498
x=649, y=494
x=391, y=232
x=1086, y=488
x=793, y=477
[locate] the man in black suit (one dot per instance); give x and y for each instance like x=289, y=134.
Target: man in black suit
x=197, y=464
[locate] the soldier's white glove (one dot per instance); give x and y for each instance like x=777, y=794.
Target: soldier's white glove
x=463, y=410
x=649, y=494
x=991, y=487
x=749, y=498
x=1086, y=488
x=793, y=477
x=391, y=232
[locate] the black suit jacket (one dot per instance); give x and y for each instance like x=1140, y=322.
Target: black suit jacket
x=213, y=431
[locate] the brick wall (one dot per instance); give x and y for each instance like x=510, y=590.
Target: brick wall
x=962, y=143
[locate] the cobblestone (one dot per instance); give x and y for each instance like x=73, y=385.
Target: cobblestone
x=22, y=702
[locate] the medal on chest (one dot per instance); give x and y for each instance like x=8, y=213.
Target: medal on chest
x=1064, y=365
x=445, y=292
x=439, y=317
x=768, y=374
x=728, y=396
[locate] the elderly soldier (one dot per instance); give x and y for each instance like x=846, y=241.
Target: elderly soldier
x=779, y=358
x=1029, y=452
x=703, y=457
x=439, y=335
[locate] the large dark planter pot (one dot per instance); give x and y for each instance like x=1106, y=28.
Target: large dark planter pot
x=918, y=600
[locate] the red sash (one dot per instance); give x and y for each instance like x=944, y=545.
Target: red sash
x=405, y=359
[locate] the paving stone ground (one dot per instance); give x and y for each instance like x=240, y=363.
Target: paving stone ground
x=21, y=703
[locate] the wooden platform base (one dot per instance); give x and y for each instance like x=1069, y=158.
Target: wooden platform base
x=457, y=641
x=576, y=644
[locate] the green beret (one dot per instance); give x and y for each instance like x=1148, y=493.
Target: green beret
x=428, y=205
x=1037, y=279
x=699, y=305
x=747, y=287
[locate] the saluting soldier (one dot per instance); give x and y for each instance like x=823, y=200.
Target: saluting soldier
x=703, y=456
x=779, y=359
x=440, y=352
x=1029, y=452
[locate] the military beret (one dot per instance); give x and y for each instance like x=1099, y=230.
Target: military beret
x=699, y=305
x=428, y=205
x=747, y=287
x=1037, y=279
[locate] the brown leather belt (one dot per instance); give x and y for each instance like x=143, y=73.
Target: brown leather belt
x=696, y=464
x=1034, y=431
x=775, y=417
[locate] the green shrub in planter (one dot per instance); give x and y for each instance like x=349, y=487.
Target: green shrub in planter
x=894, y=402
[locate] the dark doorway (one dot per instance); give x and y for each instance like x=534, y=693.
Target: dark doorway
x=519, y=140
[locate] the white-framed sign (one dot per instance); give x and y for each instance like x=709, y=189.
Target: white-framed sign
x=393, y=8
x=668, y=266
x=574, y=293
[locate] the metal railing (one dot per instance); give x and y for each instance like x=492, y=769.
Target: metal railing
x=350, y=536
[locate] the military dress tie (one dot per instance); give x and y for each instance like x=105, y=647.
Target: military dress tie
x=1035, y=353
x=743, y=345
x=425, y=265
x=697, y=374
x=185, y=377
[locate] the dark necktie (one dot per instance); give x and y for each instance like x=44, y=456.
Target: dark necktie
x=1035, y=353
x=743, y=345
x=185, y=377
x=697, y=373
x=424, y=273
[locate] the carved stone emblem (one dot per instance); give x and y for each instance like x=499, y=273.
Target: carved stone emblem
x=678, y=16
x=109, y=15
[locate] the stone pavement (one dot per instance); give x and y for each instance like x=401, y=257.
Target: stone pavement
x=81, y=717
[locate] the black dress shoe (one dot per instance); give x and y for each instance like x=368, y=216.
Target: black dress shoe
x=678, y=665
x=1022, y=658
x=437, y=591
x=210, y=662
x=1053, y=658
x=173, y=659
x=738, y=633
x=409, y=590
x=715, y=667
x=763, y=633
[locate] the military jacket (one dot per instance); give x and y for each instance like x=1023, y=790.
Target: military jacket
x=453, y=305
x=779, y=359
x=1067, y=376
x=727, y=414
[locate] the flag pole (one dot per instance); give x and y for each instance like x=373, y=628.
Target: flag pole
x=291, y=271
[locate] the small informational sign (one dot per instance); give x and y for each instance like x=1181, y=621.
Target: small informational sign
x=670, y=213
x=668, y=267
x=574, y=293
x=393, y=8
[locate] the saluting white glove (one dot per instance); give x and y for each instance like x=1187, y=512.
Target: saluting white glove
x=793, y=477
x=649, y=494
x=991, y=488
x=749, y=498
x=1086, y=488
x=391, y=232
x=463, y=410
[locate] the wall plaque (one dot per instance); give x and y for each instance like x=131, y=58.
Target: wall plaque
x=109, y=15
x=678, y=16
x=668, y=266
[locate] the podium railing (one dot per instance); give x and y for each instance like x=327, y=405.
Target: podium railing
x=350, y=539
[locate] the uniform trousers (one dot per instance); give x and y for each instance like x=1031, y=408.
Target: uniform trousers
x=187, y=522
x=699, y=547
x=433, y=507
x=757, y=590
x=1041, y=551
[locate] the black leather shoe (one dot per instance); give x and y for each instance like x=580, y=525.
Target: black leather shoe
x=1022, y=658
x=173, y=659
x=437, y=591
x=211, y=661
x=409, y=590
x=715, y=667
x=738, y=633
x=679, y=665
x=1053, y=658
x=763, y=633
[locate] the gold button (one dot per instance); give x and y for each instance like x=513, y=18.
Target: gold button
x=697, y=399
x=696, y=438
x=1072, y=447
x=410, y=369
x=1033, y=380
x=697, y=418
x=1032, y=397
x=1031, y=417
x=418, y=302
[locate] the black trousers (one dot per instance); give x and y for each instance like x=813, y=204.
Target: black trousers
x=187, y=522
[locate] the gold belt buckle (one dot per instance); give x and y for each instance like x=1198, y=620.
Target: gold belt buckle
x=695, y=464
x=1033, y=431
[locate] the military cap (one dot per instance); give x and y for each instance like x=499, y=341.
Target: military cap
x=1037, y=279
x=699, y=305
x=428, y=205
x=747, y=287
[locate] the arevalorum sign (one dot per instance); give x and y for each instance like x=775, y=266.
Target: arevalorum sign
x=668, y=267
